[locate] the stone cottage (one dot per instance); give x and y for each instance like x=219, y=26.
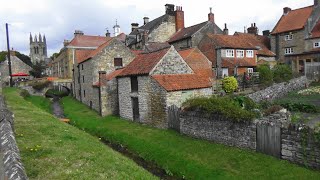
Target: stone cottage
x=20, y=69
x=230, y=54
x=94, y=80
x=158, y=30
x=191, y=36
x=153, y=81
x=295, y=38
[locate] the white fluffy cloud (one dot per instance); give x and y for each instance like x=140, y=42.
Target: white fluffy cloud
x=58, y=19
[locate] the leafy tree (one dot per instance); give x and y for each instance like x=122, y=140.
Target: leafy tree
x=229, y=84
x=265, y=75
x=38, y=69
x=282, y=73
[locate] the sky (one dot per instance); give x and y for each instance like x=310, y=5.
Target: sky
x=58, y=19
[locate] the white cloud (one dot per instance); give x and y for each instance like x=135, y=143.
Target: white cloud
x=59, y=18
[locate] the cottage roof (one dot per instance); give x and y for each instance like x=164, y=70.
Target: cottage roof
x=122, y=37
x=81, y=54
x=144, y=63
x=88, y=41
x=294, y=20
x=154, y=46
x=187, y=32
x=316, y=30
x=231, y=41
x=152, y=24
x=177, y=82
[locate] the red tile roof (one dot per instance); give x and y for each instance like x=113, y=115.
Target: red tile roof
x=137, y=52
x=144, y=63
x=231, y=41
x=81, y=54
x=198, y=62
x=179, y=82
x=316, y=30
x=122, y=37
x=294, y=20
x=96, y=51
x=88, y=41
x=231, y=63
x=260, y=42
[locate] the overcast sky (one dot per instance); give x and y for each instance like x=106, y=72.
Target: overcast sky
x=58, y=19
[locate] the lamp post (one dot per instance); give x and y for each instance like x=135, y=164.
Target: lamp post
x=8, y=55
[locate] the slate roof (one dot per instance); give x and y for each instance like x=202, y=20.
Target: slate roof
x=294, y=20
x=177, y=82
x=88, y=41
x=144, y=63
x=151, y=25
x=155, y=46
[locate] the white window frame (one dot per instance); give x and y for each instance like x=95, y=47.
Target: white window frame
x=240, y=53
x=288, y=37
x=249, y=53
x=316, y=44
x=288, y=50
x=229, y=53
x=250, y=70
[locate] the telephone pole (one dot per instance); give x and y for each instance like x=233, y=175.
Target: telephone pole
x=8, y=55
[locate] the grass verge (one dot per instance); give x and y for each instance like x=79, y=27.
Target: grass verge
x=51, y=149
x=180, y=155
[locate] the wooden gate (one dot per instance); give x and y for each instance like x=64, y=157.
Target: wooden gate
x=174, y=118
x=269, y=139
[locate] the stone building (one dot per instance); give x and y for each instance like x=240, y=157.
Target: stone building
x=191, y=36
x=229, y=54
x=153, y=81
x=19, y=69
x=38, y=48
x=295, y=38
x=157, y=30
x=62, y=66
x=94, y=83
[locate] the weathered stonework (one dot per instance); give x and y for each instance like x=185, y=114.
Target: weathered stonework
x=279, y=90
x=163, y=32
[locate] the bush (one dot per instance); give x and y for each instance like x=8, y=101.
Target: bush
x=229, y=84
x=24, y=93
x=39, y=85
x=53, y=93
x=272, y=109
x=265, y=75
x=282, y=73
x=225, y=106
x=245, y=102
x=301, y=107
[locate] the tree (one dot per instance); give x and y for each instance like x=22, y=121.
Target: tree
x=38, y=69
x=265, y=75
x=229, y=84
x=282, y=73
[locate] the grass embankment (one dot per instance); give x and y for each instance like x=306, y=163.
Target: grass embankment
x=183, y=156
x=53, y=150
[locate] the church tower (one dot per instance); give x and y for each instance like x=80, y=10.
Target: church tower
x=116, y=29
x=38, y=48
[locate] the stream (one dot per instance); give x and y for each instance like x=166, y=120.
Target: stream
x=151, y=167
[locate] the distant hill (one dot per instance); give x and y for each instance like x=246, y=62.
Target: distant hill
x=26, y=59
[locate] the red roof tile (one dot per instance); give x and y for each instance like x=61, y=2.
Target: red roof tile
x=294, y=20
x=81, y=54
x=96, y=51
x=178, y=82
x=316, y=30
x=144, y=63
x=137, y=52
x=231, y=41
x=88, y=41
x=231, y=63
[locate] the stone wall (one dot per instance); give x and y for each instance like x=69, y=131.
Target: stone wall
x=279, y=90
x=301, y=145
x=218, y=129
x=11, y=166
x=164, y=31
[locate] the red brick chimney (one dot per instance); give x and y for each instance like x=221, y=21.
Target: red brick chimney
x=211, y=16
x=286, y=10
x=179, y=18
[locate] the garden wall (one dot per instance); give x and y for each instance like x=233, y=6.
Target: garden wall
x=279, y=90
x=218, y=129
x=10, y=162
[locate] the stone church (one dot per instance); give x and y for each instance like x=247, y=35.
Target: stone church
x=38, y=48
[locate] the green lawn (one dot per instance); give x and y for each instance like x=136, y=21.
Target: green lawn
x=40, y=102
x=184, y=156
x=51, y=149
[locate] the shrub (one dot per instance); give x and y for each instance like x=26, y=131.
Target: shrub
x=39, y=85
x=301, y=107
x=225, y=106
x=24, y=93
x=272, y=109
x=265, y=104
x=245, y=102
x=282, y=73
x=265, y=75
x=229, y=84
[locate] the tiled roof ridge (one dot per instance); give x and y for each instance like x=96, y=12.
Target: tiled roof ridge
x=160, y=49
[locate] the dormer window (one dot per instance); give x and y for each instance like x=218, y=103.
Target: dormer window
x=288, y=37
x=230, y=53
x=317, y=44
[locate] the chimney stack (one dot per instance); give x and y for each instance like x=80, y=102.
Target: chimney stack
x=225, y=30
x=107, y=33
x=286, y=10
x=211, y=16
x=145, y=38
x=179, y=17
x=266, y=33
x=145, y=20
x=253, y=29
x=78, y=33
x=134, y=26
x=169, y=9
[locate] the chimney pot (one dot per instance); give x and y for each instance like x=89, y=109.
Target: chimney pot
x=145, y=20
x=225, y=30
x=286, y=10
x=134, y=26
x=211, y=16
